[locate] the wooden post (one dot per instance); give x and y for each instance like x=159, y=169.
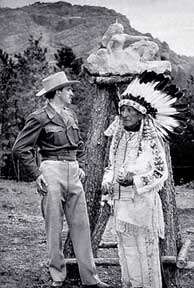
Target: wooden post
x=100, y=228
x=172, y=242
x=96, y=150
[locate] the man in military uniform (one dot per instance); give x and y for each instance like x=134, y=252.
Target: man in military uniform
x=54, y=130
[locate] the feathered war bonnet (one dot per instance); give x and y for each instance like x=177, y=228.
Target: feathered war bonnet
x=155, y=96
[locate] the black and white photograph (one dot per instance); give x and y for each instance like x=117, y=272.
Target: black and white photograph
x=97, y=144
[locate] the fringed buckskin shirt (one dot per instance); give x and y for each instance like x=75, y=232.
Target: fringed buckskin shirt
x=53, y=133
x=145, y=157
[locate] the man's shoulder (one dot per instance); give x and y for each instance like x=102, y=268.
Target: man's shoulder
x=39, y=114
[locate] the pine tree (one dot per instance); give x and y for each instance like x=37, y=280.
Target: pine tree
x=7, y=88
x=19, y=81
x=64, y=57
x=31, y=67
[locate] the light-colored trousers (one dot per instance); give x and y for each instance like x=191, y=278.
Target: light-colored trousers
x=139, y=260
x=66, y=197
x=138, y=249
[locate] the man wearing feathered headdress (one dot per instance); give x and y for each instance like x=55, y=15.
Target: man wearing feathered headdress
x=137, y=171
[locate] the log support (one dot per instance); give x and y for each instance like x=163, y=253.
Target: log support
x=182, y=257
x=181, y=261
x=170, y=260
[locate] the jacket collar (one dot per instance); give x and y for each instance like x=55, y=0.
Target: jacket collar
x=51, y=112
x=53, y=115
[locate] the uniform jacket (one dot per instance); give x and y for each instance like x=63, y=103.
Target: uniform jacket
x=47, y=129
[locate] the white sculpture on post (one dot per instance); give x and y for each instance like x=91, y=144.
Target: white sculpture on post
x=121, y=53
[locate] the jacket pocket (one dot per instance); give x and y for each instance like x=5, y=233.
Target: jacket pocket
x=56, y=135
x=73, y=134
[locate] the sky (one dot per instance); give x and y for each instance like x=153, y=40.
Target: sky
x=168, y=20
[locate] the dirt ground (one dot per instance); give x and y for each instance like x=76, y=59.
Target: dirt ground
x=23, y=247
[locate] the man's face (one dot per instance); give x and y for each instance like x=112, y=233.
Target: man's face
x=130, y=116
x=66, y=95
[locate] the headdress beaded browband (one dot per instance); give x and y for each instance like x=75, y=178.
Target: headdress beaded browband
x=154, y=95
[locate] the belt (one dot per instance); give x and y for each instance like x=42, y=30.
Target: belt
x=123, y=193
x=67, y=155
